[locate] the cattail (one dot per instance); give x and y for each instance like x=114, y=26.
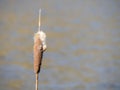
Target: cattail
x=39, y=48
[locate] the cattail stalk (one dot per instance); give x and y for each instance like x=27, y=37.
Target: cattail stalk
x=39, y=48
x=39, y=24
x=36, y=83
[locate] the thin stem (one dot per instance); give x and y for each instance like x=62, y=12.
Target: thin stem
x=39, y=24
x=36, y=84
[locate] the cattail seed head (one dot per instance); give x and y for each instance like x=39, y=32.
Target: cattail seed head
x=39, y=47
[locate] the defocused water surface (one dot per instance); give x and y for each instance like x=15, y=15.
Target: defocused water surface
x=83, y=38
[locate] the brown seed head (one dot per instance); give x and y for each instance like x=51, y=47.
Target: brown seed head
x=38, y=52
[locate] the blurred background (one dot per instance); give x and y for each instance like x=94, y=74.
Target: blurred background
x=83, y=39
